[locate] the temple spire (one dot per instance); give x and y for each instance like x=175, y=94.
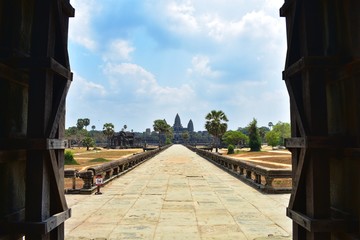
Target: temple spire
x=190, y=126
x=177, y=124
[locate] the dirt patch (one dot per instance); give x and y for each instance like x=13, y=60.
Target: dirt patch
x=83, y=157
x=267, y=158
x=269, y=164
x=286, y=160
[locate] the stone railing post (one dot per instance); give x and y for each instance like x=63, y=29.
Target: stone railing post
x=248, y=173
x=257, y=178
x=71, y=173
x=87, y=177
x=108, y=174
x=269, y=181
x=235, y=168
x=115, y=171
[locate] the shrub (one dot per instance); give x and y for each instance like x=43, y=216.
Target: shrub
x=69, y=158
x=231, y=149
x=167, y=141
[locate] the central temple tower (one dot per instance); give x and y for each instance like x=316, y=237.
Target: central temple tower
x=179, y=129
x=177, y=124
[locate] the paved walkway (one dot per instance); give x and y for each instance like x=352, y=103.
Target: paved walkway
x=178, y=195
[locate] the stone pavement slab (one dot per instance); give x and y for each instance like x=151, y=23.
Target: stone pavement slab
x=178, y=195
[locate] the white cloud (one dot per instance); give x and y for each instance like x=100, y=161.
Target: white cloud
x=182, y=16
x=143, y=83
x=255, y=24
x=80, y=27
x=171, y=95
x=200, y=65
x=129, y=75
x=260, y=24
x=218, y=19
x=118, y=50
x=241, y=49
x=253, y=83
x=82, y=88
x=216, y=27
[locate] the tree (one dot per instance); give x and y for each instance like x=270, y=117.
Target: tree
x=162, y=128
x=254, y=136
x=108, y=130
x=272, y=138
x=235, y=138
x=80, y=123
x=262, y=131
x=167, y=141
x=93, y=127
x=74, y=134
x=284, y=131
x=125, y=127
x=86, y=122
x=216, y=124
x=88, y=142
x=185, y=135
x=70, y=132
x=244, y=130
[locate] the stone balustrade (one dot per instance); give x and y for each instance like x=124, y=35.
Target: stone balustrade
x=259, y=177
x=73, y=174
x=107, y=171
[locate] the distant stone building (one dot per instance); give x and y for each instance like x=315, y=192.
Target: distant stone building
x=124, y=139
x=179, y=130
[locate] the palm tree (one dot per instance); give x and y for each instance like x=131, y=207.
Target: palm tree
x=86, y=122
x=108, y=130
x=80, y=123
x=216, y=124
x=92, y=130
x=161, y=127
x=270, y=124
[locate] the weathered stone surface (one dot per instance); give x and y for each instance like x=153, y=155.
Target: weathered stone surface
x=178, y=195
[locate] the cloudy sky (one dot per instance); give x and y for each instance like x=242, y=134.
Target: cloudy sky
x=135, y=61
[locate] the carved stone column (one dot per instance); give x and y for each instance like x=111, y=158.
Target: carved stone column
x=87, y=177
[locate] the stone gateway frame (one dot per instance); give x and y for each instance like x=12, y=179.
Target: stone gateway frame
x=35, y=78
x=322, y=75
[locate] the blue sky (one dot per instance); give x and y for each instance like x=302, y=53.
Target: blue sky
x=135, y=61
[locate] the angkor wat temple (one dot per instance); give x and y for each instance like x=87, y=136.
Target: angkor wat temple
x=179, y=130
